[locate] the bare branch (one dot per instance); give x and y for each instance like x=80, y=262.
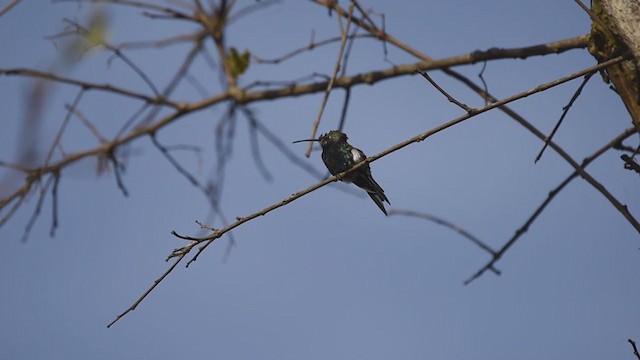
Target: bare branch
x=38, y=208
x=8, y=7
x=565, y=110
x=173, y=40
x=245, y=98
x=88, y=124
x=117, y=168
x=311, y=46
x=217, y=233
x=447, y=224
x=635, y=349
x=89, y=85
x=441, y=90
x=143, y=296
x=170, y=12
x=552, y=194
x=54, y=204
x=255, y=149
x=56, y=140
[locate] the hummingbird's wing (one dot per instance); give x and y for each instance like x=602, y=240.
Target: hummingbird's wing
x=368, y=184
x=365, y=181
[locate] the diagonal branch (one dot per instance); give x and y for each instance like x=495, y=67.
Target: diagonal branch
x=451, y=99
x=552, y=194
x=415, y=139
x=635, y=349
x=8, y=7
x=217, y=233
x=564, y=113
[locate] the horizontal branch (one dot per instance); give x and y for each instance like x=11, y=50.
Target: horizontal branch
x=88, y=85
x=373, y=77
x=242, y=97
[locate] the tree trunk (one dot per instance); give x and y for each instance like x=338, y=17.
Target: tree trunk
x=616, y=31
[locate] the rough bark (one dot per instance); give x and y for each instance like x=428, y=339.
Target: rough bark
x=615, y=30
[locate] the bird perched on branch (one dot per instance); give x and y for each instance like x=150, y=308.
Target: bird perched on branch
x=338, y=156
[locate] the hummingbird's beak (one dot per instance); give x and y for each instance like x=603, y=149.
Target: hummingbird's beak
x=297, y=141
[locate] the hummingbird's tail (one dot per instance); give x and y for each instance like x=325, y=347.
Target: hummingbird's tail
x=374, y=190
x=377, y=198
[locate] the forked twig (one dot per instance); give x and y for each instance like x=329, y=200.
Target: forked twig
x=552, y=194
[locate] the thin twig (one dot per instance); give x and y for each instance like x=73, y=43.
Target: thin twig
x=593, y=16
x=230, y=244
x=12, y=166
x=54, y=204
x=635, y=349
x=116, y=170
x=344, y=34
x=8, y=7
x=283, y=148
x=345, y=107
x=138, y=4
x=443, y=92
x=215, y=24
x=88, y=85
x=485, y=87
x=164, y=150
x=88, y=124
x=67, y=117
x=143, y=296
x=38, y=208
x=447, y=224
x=565, y=110
x=364, y=13
x=161, y=43
x=118, y=53
x=255, y=149
x=311, y=46
x=168, y=90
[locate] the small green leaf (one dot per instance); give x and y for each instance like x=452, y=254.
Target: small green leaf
x=238, y=63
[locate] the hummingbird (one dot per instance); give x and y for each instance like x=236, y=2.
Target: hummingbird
x=338, y=156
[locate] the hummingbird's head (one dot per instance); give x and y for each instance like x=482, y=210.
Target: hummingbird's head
x=331, y=138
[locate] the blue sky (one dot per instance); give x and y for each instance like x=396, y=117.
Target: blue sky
x=327, y=276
